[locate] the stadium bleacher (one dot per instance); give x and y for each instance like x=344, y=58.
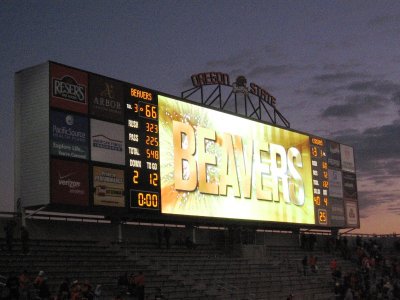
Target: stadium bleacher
x=268, y=269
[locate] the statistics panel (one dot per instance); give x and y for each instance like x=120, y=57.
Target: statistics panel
x=143, y=156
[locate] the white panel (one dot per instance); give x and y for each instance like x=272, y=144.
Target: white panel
x=32, y=136
x=107, y=142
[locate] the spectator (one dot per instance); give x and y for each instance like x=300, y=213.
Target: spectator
x=24, y=285
x=39, y=279
x=333, y=265
x=63, y=290
x=304, y=263
x=303, y=241
x=159, y=238
x=76, y=290
x=25, y=240
x=312, y=241
x=189, y=243
x=9, y=233
x=44, y=291
x=13, y=287
x=123, y=283
x=313, y=263
x=159, y=295
x=139, y=282
x=97, y=292
x=132, y=285
x=167, y=236
x=179, y=240
x=86, y=291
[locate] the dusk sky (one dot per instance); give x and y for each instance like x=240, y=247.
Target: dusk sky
x=333, y=66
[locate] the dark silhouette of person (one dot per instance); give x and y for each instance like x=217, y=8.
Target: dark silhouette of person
x=139, y=282
x=167, y=236
x=9, y=231
x=159, y=238
x=25, y=239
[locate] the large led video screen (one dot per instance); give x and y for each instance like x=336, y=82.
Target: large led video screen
x=214, y=164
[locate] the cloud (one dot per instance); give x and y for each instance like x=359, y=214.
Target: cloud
x=386, y=20
x=376, y=149
x=354, y=106
x=273, y=70
x=337, y=76
x=385, y=87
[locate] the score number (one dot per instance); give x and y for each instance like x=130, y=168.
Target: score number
x=153, y=178
x=146, y=110
x=144, y=199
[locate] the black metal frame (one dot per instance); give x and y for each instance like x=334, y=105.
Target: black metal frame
x=262, y=110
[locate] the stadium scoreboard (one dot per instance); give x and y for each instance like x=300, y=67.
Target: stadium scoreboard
x=116, y=144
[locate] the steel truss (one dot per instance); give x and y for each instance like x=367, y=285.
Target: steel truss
x=254, y=106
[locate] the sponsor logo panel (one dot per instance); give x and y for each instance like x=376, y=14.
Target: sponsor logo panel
x=107, y=142
x=347, y=157
x=69, y=182
x=69, y=135
x=106, y=98
x=333, y=150
x=335, y=183
x=349, y=186
x=108, y=185
x=68, y=88
x=351, y=214
x=337, y=212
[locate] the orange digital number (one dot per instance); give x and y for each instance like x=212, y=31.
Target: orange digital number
x=151, y=111
x=326, y=201
x=153, y=179
x=317, y=200
x=325, y=184
x=148, y=200
x=324, y=165
x=314, y=151
x=152, y=153
x=150, y=127
x=151, y=141
x=135, y=176
x=322, y=217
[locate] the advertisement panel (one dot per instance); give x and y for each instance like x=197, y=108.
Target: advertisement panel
x=107, y=142
x=351, y=214
x=333, y=150
x=337, y=212
x=69, y=182
x=68, y=88
x=69, y=135
x=106, y=98
x=335, y=183
x=349, y=186
x=219, y=165
x=108, y=186
x=347, y=157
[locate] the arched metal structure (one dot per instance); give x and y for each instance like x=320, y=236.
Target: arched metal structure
x=237, y=98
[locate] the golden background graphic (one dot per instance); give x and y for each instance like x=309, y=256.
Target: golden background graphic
x=195, y=203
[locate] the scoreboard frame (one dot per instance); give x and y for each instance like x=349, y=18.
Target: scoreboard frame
x=128, y=155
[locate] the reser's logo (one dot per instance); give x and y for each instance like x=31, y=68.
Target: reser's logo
x=68, y=88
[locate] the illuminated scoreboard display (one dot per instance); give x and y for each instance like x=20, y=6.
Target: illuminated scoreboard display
x=117, y=145
x=143, y=157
